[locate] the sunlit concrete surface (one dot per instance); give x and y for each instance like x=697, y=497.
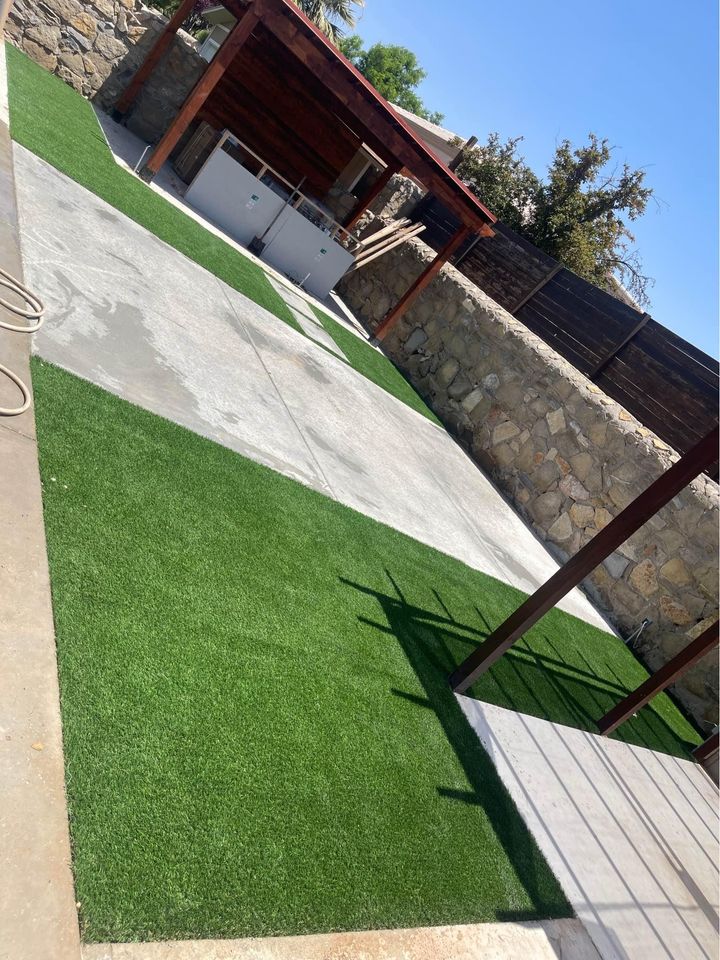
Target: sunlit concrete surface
x=133, y=315
x=128, y=150
x=549, y=940
x=37, y=901
x=631, y=834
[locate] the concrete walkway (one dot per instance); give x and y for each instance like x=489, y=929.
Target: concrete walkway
x=135, y=316
x=549, y=940
x=38, y=919
x=632, y=835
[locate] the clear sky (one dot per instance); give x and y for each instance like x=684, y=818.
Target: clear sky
x=642, y=73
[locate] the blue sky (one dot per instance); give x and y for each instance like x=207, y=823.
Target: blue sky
x=643, y=74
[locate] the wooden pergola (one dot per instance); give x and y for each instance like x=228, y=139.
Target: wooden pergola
x=354, y=101
x=703, y=455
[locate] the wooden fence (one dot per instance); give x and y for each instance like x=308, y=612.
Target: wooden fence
x=664, y=381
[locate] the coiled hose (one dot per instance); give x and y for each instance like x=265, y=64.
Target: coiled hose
x=32, y=313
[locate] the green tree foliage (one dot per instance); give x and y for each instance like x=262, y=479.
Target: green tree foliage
x=393, y=70
x=578, y=214
x=331, y=16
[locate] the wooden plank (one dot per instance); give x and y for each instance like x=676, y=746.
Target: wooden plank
x=661, y=679
x=384, y=248
x=661, y=351
x=704, y=360
x=560, y=338
x=599, y=300
x=157, y=51
x=648, y=373
x=637, y=386
x=202, y=90
x=627, y=522
x=422, y=281
x=562, y=308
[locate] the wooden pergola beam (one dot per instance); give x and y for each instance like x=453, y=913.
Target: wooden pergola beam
x=661, y=679
x=202, y=89
x=371, y=195
x=703, y=455
x=282, y=18
x=707, y=749
x=426, y=277
x=129, y=94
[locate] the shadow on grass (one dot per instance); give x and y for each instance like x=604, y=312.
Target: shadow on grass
x=430, y=642
x=569, y=679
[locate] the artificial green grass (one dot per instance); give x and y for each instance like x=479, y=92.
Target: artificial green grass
x=374, y=365
x=259, y=735
x=56, y=123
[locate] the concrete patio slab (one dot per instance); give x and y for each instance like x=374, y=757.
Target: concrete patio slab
x=37, y=904
x=549, y=940
x=127, y=150
x=135, y=316
x=631, y=834
x=309, y=323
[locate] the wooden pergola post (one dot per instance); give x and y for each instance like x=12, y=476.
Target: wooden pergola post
x=703, y=455
x=661, y=679
x=707, y=749
x=371, y=194
x=129, y=94
x=431, y=271
x=202, y=90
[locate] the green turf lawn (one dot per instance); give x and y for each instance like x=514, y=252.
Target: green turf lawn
x=259, y=735
x=373, y=365
x=56, y=123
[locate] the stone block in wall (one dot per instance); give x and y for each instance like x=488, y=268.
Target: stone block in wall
x=40, y=55
x=96, y=46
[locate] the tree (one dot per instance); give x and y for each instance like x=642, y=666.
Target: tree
x=331, y=16
x=393, y=70
x=578, y=214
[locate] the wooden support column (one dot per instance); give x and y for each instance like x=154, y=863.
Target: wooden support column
x=129, y=94
x=661, y=679
x=703, y=455
x=422, y=281
x=202, y=90
x=707, y=749
x=370, y=195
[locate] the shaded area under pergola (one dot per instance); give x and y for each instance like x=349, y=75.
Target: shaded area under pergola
x=276, y=74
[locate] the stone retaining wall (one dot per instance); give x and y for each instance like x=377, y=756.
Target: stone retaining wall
x=97, y=45
x=567, y=456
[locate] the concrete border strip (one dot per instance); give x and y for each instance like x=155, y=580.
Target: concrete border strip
x=38, y=918
x=545, y=940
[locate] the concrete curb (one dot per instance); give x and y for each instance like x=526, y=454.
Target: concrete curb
x=38, y=918
x=546, y=940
